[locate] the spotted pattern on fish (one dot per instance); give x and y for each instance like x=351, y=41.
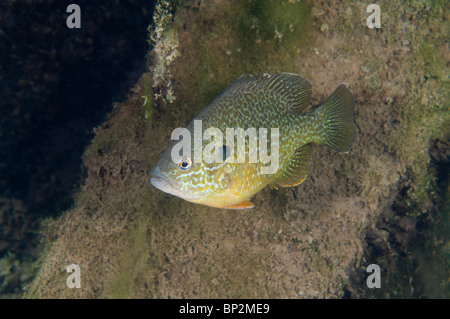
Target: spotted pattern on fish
x=259, y=101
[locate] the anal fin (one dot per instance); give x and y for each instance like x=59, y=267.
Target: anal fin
x=245, y=204
x=297, y=170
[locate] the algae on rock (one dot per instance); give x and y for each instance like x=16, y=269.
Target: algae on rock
x=163, y=38
x=135, y=241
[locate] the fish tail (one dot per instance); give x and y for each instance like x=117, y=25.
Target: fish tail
x=336, y=117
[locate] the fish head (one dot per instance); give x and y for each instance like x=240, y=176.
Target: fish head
x=175, y=178
x=204, y=183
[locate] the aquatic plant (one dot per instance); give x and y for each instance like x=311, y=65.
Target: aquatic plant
x=163, y=38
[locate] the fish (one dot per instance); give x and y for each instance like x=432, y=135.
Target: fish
x=278, y=103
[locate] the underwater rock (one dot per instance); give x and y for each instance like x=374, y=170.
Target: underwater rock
x=313, y=241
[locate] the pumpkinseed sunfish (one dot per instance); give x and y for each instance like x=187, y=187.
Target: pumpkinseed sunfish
x=265, y=103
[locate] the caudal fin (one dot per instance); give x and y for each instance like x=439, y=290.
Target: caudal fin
x=337, y=116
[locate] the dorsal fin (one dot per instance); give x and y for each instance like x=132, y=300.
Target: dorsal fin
x=290, y=88
x=297, y=170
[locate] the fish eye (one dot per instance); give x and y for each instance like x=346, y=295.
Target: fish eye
x=185, y=164
x=224, y=152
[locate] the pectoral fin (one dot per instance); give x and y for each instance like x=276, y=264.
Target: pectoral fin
x=245, y=204
x=297, y=170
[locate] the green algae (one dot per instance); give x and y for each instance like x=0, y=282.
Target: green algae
x=135, y=261
x=160, y=240
x=427, y=118
x=14, y=272
x=424, y=119
x=426, y=77
x=163, y=38
x=148, y=100
x=236, y=38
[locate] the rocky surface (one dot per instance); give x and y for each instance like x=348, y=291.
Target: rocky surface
x=312, y=241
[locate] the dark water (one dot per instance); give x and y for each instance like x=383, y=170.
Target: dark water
x=56, y=84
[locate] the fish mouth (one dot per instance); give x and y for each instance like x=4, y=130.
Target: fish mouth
x=163, y=183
